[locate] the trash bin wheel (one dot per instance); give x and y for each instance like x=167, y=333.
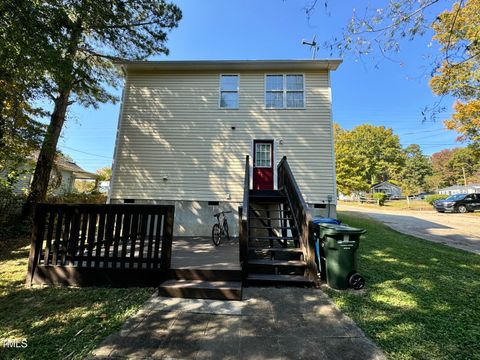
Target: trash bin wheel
x=356, y=281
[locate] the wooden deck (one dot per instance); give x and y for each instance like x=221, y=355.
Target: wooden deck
x=200, y=253
x=202, y=270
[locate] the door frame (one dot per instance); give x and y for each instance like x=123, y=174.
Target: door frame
x=252, y=149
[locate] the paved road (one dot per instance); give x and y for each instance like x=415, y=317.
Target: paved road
x=456, y=230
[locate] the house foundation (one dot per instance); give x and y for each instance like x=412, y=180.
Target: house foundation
x=195, y=218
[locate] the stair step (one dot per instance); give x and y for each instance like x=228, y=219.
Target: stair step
x=283, y=250
x=205, y=274
x=199, y=289
x=269, y=218
x=267, y=199
x=272, y=227
x=297, y=280
x=253, y=192
x=297, y=263
x=272, y=238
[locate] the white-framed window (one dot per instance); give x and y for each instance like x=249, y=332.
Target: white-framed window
x=229, y=91
x=284, y=91
x=263, y=155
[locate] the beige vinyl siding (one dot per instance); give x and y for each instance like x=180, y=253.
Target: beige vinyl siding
x=171, y=126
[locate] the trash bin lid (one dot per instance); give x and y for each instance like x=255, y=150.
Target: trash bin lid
x=324, y=220
x=336, y=229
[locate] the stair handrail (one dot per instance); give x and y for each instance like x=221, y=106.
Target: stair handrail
x=243, y=218
x=246, y=188
x=301, y=213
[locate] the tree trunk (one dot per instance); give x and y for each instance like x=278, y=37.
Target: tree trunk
x=46, y=157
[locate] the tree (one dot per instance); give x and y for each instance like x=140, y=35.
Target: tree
x=21, y=84
x=455, y=166
x=85, y=37
x=416, y=171
x=458, y=32
x=455, y=66
x=104, y=174
x=365, y=155
x=351, y=168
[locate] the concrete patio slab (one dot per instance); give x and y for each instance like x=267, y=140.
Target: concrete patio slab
x=270, y=323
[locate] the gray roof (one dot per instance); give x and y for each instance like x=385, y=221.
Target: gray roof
x=64, y=164
x=384, y=183
x=290, y=65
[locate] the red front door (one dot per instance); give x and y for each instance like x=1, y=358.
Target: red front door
x=263, y=164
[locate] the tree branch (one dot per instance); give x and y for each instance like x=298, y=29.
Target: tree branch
x=398, y=22
x=105, y=56
x=447, y=48
x=120, y=26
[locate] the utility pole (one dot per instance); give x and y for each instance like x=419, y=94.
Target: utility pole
x=464, y=176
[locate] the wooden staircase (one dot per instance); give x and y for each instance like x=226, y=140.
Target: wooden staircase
x=274, y=255
x=276, y=233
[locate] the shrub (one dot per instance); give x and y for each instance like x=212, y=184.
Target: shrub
x=432, y=198
x=380, y=197
x=10, y=213
x=78, y=198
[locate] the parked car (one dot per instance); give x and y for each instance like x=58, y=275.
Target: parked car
x=422, y=195
x=461, y=203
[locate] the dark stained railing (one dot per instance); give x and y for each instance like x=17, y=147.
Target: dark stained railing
x=120, y=244
x=301, y=215
x=243, y=219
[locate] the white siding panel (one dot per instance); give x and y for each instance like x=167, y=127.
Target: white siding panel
x=171, y=127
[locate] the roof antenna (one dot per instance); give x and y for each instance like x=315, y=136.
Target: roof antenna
x=313, y=46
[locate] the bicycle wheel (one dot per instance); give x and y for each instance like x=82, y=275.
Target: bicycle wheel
x=216, y=234
x=225, y=228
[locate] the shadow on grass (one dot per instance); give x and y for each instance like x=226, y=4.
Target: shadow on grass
x=421, y=300
x=57, y=322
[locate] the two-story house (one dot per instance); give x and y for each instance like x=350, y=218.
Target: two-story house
x=185, y=128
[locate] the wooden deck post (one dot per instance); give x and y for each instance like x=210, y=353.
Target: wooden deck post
x=166, y=257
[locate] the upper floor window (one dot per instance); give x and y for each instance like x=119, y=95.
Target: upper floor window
x=229, y=91
x=284, y=91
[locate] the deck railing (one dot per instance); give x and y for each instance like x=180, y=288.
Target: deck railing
x=120, y=245
x=301, y=215
x=243, y=218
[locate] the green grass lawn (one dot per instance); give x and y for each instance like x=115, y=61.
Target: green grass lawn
x=422, y=300
x=57, y=322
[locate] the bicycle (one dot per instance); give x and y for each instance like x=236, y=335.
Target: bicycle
x=220, y=229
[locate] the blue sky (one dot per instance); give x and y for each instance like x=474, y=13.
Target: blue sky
x=390, y=94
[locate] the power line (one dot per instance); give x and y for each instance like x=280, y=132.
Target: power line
x=84, y=152
x=422, y=131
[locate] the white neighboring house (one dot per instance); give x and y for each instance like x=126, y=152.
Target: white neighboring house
x=104, y=187
x=65, y=170
x=185, y=128
x=387, y=188
x=460, y=189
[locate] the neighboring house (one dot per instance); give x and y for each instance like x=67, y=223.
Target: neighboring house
x=65, y=171
x=460, y=189
x=185, y=128
x=387, y=188
x=104, y=186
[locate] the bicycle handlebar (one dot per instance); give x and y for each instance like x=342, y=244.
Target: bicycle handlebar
x=221, y=212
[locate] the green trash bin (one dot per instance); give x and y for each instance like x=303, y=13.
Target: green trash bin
x=339, y=246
